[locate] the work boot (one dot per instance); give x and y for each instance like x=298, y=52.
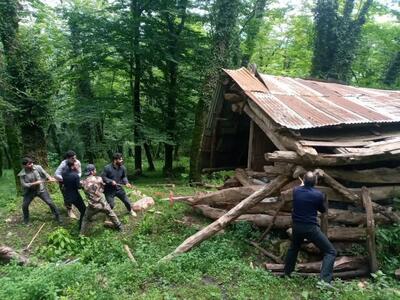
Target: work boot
x=132, y=213
x=71, y=214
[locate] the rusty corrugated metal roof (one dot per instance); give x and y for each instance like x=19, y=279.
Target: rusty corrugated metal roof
x=300, y=104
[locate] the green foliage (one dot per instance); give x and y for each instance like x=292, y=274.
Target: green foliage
x=388, y=240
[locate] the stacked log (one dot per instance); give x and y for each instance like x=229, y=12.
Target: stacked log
x=352, y=224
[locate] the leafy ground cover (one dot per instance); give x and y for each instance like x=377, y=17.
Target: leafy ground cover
x=224, y=267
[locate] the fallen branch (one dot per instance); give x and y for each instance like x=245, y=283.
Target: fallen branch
x=130, y=255
x=266, y=253
x=34, y=237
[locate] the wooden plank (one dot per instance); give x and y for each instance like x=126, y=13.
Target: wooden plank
x=371, y=245
x=314, y=143
x=250, y=149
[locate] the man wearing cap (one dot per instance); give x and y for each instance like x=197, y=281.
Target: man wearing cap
x=71, y=182
x=94, y=186
x=70, y=156
x=33, y=178
x=307, y=201
x=115, y=176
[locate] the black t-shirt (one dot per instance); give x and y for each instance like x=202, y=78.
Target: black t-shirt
x=71, y=182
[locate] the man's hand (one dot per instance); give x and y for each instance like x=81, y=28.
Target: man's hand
x=52, y=179
x=128, y=185
x=36, y=182
x=113, y=183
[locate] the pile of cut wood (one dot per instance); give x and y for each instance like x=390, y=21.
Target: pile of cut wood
x=349, y=223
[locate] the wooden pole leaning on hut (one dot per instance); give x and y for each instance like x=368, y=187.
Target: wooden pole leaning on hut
x=371, y=245
x=347, y=193
x=268, y=190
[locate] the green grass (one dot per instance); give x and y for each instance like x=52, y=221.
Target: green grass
x=223, y=267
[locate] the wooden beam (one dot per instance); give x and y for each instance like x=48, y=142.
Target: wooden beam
x=268, y=129
x=229, y=217
x=329, y=159
x=376, y=176
x=371, y=245
x=234, y=98
x=250, y=148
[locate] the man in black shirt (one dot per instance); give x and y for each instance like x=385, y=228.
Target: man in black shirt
x=307, y=201
x=71, y=182
x=114, y=175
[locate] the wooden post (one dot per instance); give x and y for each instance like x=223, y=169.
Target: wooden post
x=324, y=217
x=250, y=151
x=269, y=189
x=371, y=245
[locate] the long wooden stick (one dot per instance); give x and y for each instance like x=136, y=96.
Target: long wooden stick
x=264, y=234
x=34, y=237
x=266, y=253
x=273, y=187
x=371, y=246
x=130, y=255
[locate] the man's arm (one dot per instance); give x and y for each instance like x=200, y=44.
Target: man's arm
x=44, y=174
x=79, y=168
x=25, y=184
x=105, y=176
x=59, y=170
x=124, y=176
x=322, y=204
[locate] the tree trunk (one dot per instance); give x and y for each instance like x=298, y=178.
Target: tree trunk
x=14, y=147
x=54, y=137
x=393, y=71
x=149, y=157
x=225, y=16
x=135, y=82
x=1, y=161
x=34, y=144
x=197, y=137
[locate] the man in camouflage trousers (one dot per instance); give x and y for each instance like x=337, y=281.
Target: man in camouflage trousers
x=94, y=187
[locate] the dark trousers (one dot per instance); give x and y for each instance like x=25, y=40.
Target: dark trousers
x=77, y=201
x=67, y=205
x=119, y=193
x=314, y=234
x=45, y=196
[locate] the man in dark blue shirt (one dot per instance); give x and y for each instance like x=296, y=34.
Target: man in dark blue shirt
x=115, y=176
x=71, y=185
x=307, y=201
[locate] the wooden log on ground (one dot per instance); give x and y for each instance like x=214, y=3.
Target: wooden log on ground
x=374, y=176
x=8, y=254
x=227, y=196
x=230, y=216
x=266, y=253
x=242, y=177
x=371, y=245
x=350, y=234
x=261, y=220
x=229, y=183
x=361, y=272
x=278, y=209
x=341, y=247
x=344, y=263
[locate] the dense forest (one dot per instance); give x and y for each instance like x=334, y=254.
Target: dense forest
x=137, y=76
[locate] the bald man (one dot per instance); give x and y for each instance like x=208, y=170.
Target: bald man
x=307, y=201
